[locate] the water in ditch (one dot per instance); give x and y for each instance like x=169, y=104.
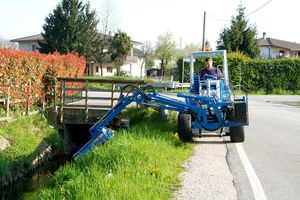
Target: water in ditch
x=33, y=182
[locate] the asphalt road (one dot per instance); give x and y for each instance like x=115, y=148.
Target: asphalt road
x=272, y=146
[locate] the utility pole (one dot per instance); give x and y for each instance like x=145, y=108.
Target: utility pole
x=203, y=38
x=180, y=46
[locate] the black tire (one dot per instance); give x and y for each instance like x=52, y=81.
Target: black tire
x=237, y=134
x=184, y=127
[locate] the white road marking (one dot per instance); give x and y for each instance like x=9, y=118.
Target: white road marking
x=257, y=188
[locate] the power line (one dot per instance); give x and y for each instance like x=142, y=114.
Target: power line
x=227, y=20
x=258, y=8
x=217, y=18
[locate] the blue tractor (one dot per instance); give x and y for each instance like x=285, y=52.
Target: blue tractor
x=208, y=106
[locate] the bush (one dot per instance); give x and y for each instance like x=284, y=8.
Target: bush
x=270, y=76
x=21, y=74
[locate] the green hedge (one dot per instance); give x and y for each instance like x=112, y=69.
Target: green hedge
x=267, y=75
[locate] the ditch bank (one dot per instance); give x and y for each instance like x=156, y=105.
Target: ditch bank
x=27, y=145
x=31, y=151
x=44, y=154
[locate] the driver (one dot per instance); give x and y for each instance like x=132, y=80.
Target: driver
x=209, y=69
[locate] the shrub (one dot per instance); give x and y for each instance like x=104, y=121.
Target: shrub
x=270, y=76
x=21, y=74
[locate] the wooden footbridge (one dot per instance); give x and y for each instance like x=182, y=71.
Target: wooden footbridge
x=85, y=100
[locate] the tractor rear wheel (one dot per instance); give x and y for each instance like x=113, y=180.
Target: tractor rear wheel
x=184, y=127
x=237, y=134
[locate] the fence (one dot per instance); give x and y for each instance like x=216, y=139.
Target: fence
x=87, y=94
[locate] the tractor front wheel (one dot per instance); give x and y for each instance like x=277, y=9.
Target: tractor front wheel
x=184, y=127
x=237, y=134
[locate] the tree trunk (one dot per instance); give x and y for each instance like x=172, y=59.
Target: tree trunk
x=162, y=67
x=118, y=70
x=101, y=68
x=142, y=68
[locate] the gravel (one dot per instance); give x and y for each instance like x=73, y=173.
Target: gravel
x=207, y=173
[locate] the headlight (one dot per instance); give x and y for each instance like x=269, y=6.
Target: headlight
x=227, y=96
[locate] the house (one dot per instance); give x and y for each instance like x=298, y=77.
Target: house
x=133, y=66
x=29, y=43
x=155, y=70
x=275, y=48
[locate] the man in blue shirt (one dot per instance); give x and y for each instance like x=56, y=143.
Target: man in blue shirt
x=210, y=70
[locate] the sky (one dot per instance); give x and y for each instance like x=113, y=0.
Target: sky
x=145, y=20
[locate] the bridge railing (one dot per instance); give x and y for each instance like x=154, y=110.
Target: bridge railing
x=88, y=93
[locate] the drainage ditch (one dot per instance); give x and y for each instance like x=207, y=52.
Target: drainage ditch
x=27, y=182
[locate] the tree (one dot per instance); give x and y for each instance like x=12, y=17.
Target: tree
x=106, y=29
x=188, y=49
x=119, y=47
x=147, y=54
x=4, y=43
x=165, y=50
x=91, y=39
x=239, y=36
x=71, y=26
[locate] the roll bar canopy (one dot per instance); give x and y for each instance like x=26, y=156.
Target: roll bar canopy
x=195, y=55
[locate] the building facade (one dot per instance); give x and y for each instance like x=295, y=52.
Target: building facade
x=275, y=48
x=134, y=64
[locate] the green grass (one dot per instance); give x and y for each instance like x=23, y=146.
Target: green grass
x=142, y=162
x=25, y=134
x=293, y=103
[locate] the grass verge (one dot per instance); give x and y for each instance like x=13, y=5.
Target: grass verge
x=142, y=162
x=25, y=135
x=292, y=103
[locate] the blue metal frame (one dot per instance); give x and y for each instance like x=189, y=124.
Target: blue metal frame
x=196, y=105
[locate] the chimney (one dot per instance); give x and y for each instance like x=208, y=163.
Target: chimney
x=264, y=35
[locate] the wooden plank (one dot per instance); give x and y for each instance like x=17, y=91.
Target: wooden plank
x=112, y=94
x=81, y=106
x=89, y=98
x=101, y=90
x=71, y=97
x=62, y=94
x=75, y=89
x=98, y=80
x=86, y=99
x=91, y=89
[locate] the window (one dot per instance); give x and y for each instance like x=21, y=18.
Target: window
x=281, y=53
x=97, y=69
x=33, y=47
x=109, y=69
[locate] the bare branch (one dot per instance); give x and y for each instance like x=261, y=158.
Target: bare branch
x=107, y=18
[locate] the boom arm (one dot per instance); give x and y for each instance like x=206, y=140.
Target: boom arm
x=99, y=134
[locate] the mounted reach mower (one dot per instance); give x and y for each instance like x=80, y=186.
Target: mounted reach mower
x=209, y=105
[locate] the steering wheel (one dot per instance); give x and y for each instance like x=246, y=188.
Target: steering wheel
x=208, y=76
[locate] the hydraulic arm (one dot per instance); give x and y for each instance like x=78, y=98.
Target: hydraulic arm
x=205, y=110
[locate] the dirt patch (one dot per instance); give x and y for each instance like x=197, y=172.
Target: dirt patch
x=4, y=144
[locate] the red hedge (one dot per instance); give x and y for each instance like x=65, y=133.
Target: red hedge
x=21, y=73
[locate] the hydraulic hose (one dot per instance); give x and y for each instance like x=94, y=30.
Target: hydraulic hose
x=135, y=88
x=149, y=87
